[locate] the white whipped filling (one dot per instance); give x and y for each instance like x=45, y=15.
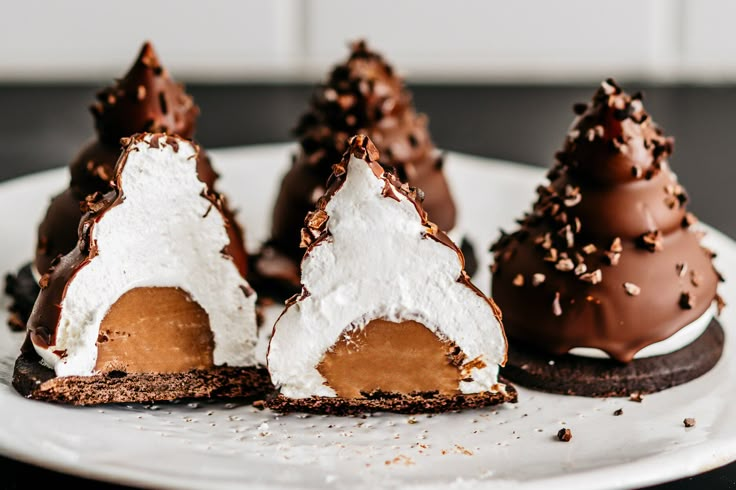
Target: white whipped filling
x=163, y=234
x=379, y=264
x=683, y=337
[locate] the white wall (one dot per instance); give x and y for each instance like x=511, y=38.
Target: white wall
x=460, y=40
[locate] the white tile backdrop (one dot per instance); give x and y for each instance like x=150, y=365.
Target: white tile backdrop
x=461, y=40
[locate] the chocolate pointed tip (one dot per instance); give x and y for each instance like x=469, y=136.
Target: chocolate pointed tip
x=362, y=147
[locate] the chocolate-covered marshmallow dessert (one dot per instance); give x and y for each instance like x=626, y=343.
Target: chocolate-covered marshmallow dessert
x=145, y=99
x=363, y=95
x=148, y=305
x=605, y=275
x=387, y=318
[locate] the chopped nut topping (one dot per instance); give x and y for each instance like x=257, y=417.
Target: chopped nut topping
x=518, y=280
x=565, y=265
x=632, y=289
x=564, y=435
x=316, y=219
x=616, y=246
x=43, y=283
x=538, y=279
x=551, y=255
x=612, y=258
x=306, y=238
x=681, y=269
x=589, y=249
x=594, y=277
x=688, y=220
x=580, y=269
x=651, y=240
x=556, y=307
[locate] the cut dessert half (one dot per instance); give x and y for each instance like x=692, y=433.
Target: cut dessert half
x=387, y=319
x=149, y=305
x=146, y=99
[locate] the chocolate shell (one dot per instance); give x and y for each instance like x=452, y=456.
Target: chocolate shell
x=606, y=258
x=362, y=95
x=145, y=99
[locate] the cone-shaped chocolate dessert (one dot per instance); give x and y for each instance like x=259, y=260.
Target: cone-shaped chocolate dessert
x=606, y=266
x=146, y=306
x=387, y=318
x=362, y=95
x=145, y=99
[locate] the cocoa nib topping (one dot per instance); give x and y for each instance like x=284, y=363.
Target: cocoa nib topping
x=564, y=435
x=687, y=301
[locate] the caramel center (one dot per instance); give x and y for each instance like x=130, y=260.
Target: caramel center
x=390, y=357
x=155, y=330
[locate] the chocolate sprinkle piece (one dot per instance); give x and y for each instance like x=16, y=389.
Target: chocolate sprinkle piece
x=594, y=277
x=556, y=307
x=538, y=279
x=564, y=435
x=686, y=301
x=632, y=289
x=651, y=240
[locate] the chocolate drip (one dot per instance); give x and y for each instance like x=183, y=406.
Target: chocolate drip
x=146, y=99
x=44, y=319
x=606, y=235
x=361, y=96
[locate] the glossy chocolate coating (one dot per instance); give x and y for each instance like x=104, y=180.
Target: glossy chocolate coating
x=361, y=96
x=145, y=99
x=606, y=258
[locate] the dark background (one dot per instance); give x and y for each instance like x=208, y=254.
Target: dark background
x=43, y=126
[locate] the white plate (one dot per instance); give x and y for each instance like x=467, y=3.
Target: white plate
x=225, y=446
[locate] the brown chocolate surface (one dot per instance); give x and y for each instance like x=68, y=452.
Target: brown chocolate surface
x=44, y=319
x=606, y=254
x=390, y=357
x=145, y=99
x=33, y=380
x=584, y=376
x=361, y=96
x=155, y=330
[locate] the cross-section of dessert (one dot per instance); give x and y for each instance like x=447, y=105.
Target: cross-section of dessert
x=387, y=318
x=145, y=99
x=147, y=306
x=606, y=276
x=363, y=95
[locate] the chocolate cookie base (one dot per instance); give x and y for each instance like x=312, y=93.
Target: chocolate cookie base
x=23, y=290
x=33, y=380
x=584, y=376
x=390, y=402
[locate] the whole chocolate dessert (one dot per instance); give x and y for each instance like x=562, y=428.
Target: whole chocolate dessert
x=387, y=319
x=605, y=275
x=147, y=306
x=145, y=99
x=362, y=95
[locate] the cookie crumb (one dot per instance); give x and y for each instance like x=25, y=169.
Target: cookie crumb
x=259, y=404
x=564, y=435
x=618, y=412
x=689, y=422
x=636, y=397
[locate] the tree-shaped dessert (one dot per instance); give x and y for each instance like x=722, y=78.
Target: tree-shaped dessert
x=148, y=305
x=362, y=95
x=606, y=266
x=387, y=318
x=145, y=99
